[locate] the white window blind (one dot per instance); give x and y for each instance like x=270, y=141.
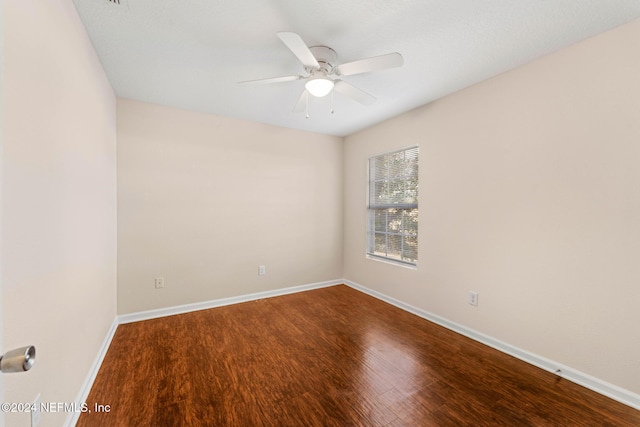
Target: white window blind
x=393, y=206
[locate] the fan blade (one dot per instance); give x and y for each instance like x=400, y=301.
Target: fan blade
x=301, y=105
x=375, y=63
x=271, y=80
x=295, y=43
x=353, y=92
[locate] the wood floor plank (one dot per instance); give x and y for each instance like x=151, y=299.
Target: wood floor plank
x=327, y=357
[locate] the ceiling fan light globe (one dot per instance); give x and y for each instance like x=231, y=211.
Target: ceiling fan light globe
x=319, y=86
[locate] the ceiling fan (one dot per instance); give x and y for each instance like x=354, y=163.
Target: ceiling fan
x=324, y=72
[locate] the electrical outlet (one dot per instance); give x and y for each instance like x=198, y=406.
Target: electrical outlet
x=262, y=270
x=35, y=412
x=159, y=282
x=473, y=298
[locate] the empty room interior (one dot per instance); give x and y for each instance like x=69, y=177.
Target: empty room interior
x=193, y=233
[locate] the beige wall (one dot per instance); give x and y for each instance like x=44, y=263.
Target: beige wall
x=58, y=201
x=204, y=200
x=530, y=195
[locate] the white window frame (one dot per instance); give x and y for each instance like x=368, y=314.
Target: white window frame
x=406, y=206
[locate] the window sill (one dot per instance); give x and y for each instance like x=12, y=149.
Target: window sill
x=392, y=262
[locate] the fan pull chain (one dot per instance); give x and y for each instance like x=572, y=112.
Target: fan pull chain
x=307, y=106
x=332, y=102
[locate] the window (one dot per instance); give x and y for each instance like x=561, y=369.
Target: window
x=393, y=206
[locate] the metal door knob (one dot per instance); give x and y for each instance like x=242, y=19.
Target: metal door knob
x=18, y=360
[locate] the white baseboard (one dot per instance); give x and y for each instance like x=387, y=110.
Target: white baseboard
x=599, y=386
x=72, y=419
x=186, y=308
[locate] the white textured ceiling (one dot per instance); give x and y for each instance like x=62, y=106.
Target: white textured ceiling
x=190, y=54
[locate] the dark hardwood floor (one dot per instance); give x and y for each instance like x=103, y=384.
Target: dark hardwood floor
x=327, y=357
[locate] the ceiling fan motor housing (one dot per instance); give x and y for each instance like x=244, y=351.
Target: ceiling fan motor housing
x=326, y=57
